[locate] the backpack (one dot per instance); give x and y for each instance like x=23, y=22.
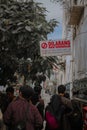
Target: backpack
x=51, y=121
x=75, y=117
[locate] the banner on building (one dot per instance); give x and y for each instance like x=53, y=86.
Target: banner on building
x=55, y=48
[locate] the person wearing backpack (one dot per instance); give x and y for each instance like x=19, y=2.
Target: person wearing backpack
x=7, y=98
x=65, y=123
x=38, y=102
x=21, y=114
x=53, y=113
x=76, y=118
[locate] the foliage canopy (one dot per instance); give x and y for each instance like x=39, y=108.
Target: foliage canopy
x=22, y=26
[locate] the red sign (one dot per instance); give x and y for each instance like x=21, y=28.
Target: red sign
x=54, y=48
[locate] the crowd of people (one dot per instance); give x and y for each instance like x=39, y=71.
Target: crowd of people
x=28, y=112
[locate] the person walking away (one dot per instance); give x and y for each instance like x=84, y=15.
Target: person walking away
x=38, y=101
x=35, y=100
x=21, y=113
x=65, y=124
x=10, y=93
x=38, y=89
x=76, y=118
x=53, y=113
x=7, y=98
x=39, y=105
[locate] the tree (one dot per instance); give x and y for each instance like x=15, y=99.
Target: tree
x=22, y=26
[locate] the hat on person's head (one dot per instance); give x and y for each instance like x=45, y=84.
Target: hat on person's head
x=26, y=91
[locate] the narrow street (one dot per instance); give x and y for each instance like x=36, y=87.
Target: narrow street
x=43, y=43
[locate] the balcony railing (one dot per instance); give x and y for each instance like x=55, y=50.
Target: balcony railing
x=75, y=14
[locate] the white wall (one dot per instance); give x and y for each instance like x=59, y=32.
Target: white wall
x=68, y=69
x=80, y=46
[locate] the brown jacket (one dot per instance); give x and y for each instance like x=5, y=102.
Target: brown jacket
x=16, y=112
x=68, y=110
x=66, y=102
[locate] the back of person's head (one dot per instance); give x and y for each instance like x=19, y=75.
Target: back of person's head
x=26, y=91
x=35, y=98
x=56, y=105
x=55, y=100
x=10, y=93
x=37, y=89
x=10, y=90
x=61, y=89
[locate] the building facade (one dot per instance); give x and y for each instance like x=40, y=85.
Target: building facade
x=75, y=29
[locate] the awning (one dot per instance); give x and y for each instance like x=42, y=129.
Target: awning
x=75, y=14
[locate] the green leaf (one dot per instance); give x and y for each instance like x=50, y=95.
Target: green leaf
x=28, y=28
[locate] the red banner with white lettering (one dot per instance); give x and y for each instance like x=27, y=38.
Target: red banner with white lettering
x=55, y=48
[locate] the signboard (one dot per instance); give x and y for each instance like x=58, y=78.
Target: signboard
x=55, y=48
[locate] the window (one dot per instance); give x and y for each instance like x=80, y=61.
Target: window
x=75, y=2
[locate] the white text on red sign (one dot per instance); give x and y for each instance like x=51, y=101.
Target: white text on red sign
x=55, y=44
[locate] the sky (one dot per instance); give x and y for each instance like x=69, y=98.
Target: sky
x=54, y=12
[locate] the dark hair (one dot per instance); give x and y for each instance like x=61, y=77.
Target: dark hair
x=10, y=89
x=26, y=91
x=37, y=89
x=56, y=107
x=35, y=98
x=61, y=88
